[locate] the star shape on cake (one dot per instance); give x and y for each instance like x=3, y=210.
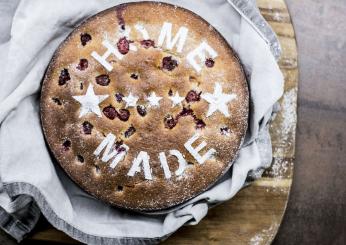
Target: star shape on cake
x=90, y=102
x=218, y=100
x=176, y=99
x=131, y=101
x=153, y=99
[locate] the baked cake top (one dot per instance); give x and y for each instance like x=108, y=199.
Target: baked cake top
x=145, y=105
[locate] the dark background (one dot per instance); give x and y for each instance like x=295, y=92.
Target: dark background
x=316, y=212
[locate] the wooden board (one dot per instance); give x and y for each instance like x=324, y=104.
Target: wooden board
x=255, y=214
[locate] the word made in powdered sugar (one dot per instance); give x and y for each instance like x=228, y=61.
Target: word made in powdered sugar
x=165, y=40
x=142, y=161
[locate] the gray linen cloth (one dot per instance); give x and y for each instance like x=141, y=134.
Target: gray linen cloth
x=32, y=183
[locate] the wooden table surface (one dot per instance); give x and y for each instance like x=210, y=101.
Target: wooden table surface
x=316, y=210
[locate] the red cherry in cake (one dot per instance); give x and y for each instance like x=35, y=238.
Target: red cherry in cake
x=141, y=110
x=147, y=43
x=209, y=62
x=87, y=127
x=85, y=38
x=83, y=64
x=193, y=96
x=103, y=80
x=64, y=77
x=123, y=45
x=168, y=63
x=110, y=112
x=124, y=115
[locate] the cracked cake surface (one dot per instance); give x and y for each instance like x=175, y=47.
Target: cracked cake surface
x=145, y=105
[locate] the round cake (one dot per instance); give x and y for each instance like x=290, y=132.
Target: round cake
x=145, y=105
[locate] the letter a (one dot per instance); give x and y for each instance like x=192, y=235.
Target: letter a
x=143, y=158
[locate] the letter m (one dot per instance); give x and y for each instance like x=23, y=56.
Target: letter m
x=166, y=34
x=110, y=151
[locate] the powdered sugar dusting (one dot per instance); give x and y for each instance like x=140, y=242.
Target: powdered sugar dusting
x=264, y=235
x=285, y=130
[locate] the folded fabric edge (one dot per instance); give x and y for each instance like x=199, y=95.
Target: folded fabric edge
x=14, y=227
x=252, y=15
x=18, y=231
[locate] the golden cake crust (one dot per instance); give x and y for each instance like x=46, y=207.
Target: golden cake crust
x=67, y=133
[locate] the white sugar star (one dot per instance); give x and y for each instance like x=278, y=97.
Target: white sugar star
x=218, y=100
x=131, y=101
x=176, y=99
x=153, y=99
x=90, y=102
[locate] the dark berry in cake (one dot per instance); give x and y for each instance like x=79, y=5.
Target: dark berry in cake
x=130, y=131
x=119, y=97
x=134, y=76
x=87, y=127
x=124, y=115
x=199, y=123
x=170, y=122
x=118, y=144
x=148, y=43
x=123, y=45
x=121, y=149
x=209, y=62
x=225, y=130
x=120, y=18
x=110, y=112
x=64, y=77
x=80, y=158
x=83, y=64
x=185, y=112
x=193, y=96
x=57, y=101
x=168, y=63
x=66, y=145
x=141, y=110
x=103, y=80
x=84, y=38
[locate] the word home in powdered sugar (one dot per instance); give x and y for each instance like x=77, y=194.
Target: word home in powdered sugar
x=165, y=40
